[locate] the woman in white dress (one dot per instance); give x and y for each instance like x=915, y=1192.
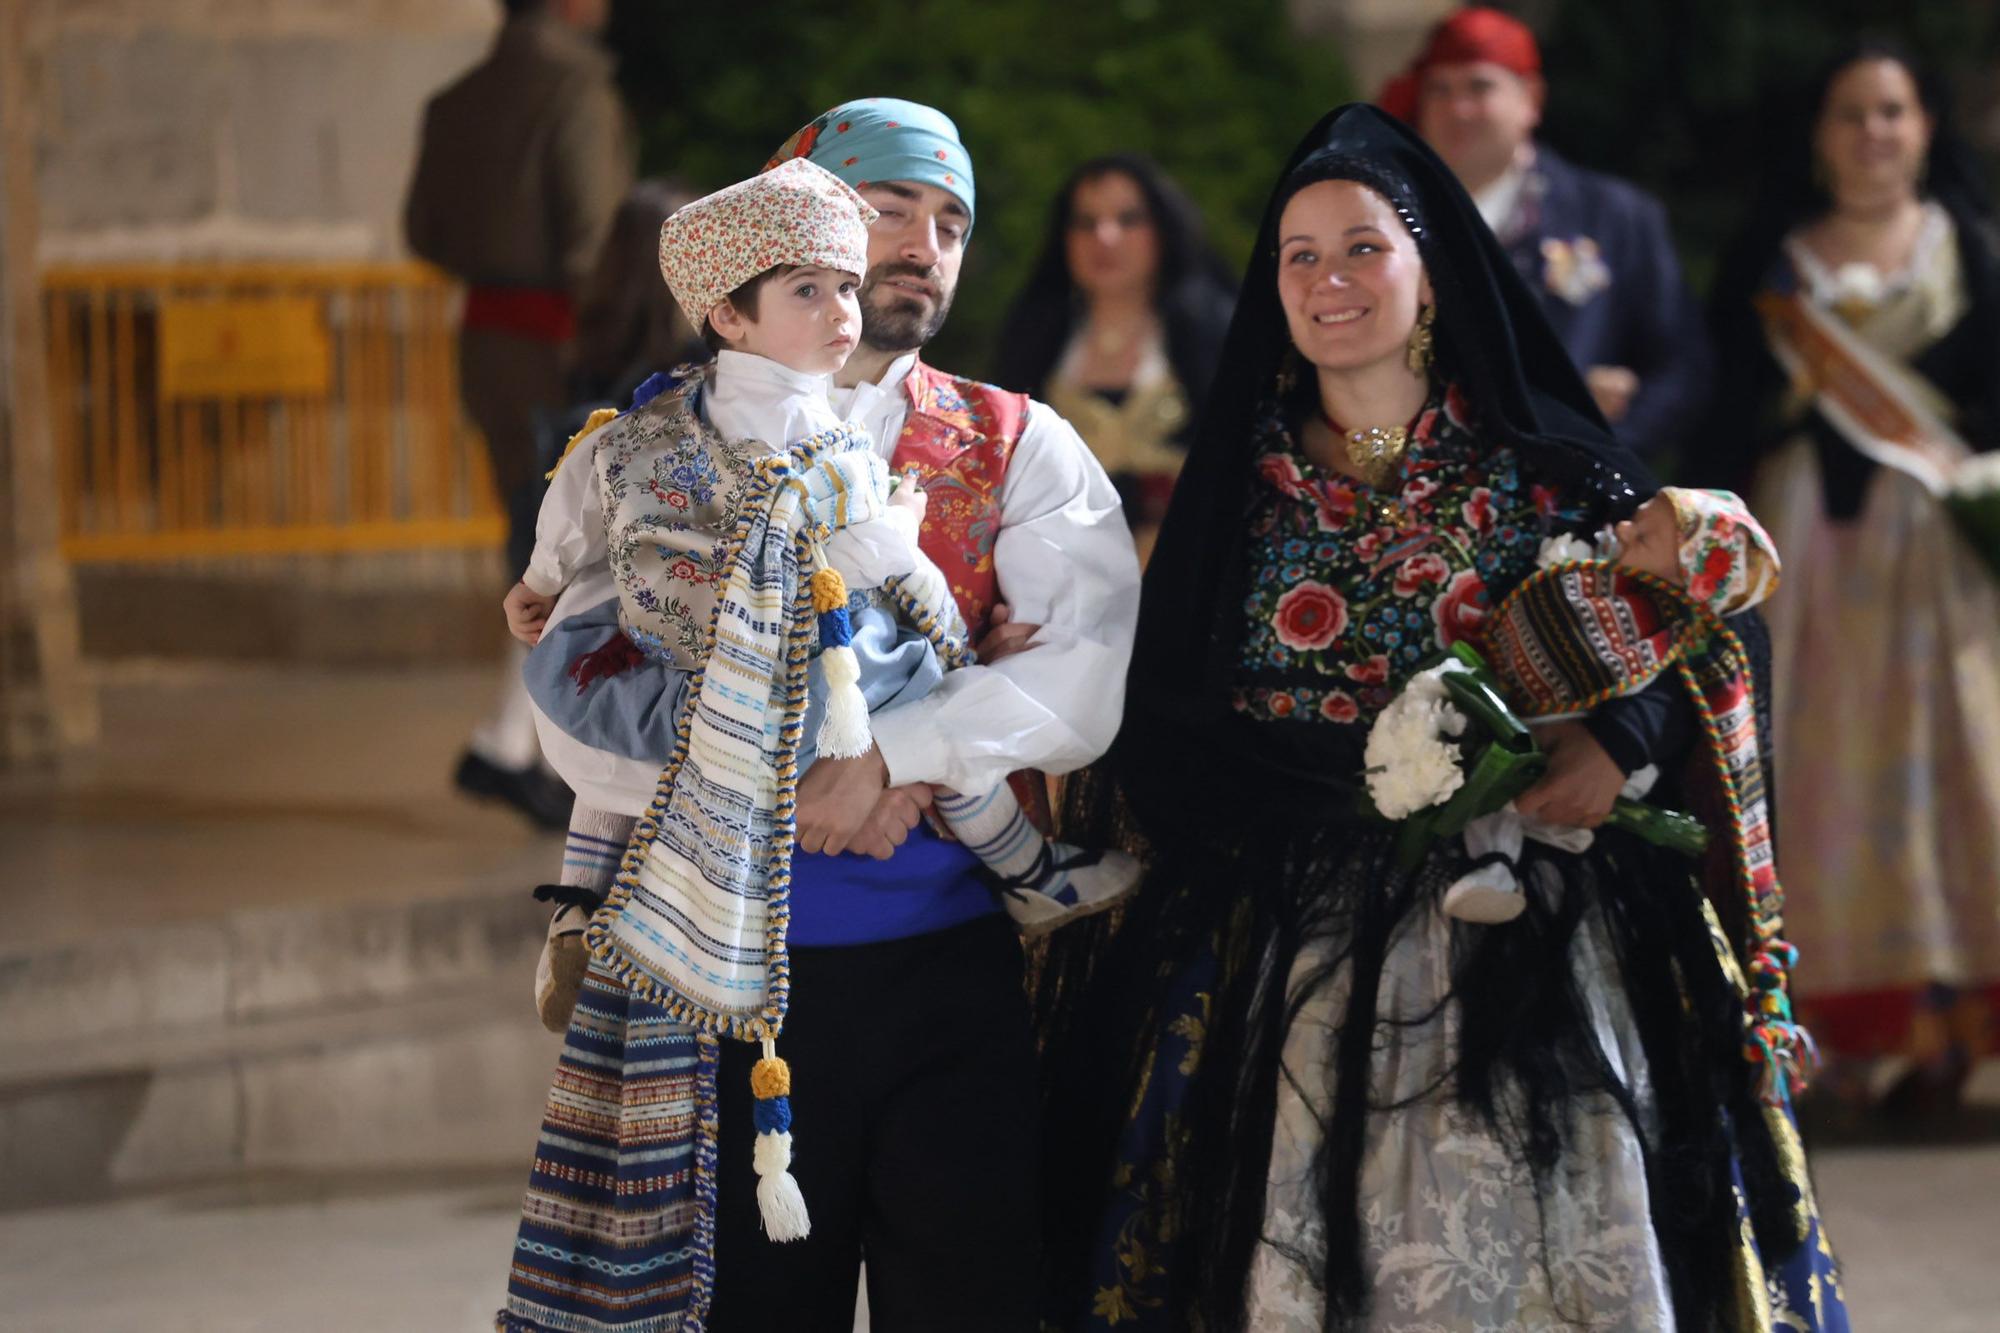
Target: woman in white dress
x=1881, y=241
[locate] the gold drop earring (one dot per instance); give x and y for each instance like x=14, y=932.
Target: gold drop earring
x=1420, y=353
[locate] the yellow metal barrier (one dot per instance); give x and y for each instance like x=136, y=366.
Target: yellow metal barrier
x=257, y=409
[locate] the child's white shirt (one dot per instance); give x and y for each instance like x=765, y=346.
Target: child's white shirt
x=752, y=397
x=748, y=397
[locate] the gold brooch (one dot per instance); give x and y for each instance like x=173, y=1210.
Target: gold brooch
x=1374, y=452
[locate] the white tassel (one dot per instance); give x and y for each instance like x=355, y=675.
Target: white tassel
x=779, y=1201
x=844, y=734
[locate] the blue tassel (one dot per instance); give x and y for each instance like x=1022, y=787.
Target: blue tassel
x=835, y=630
x=773, y=1115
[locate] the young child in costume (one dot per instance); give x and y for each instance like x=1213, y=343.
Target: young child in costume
x=769, y=268
x=1618, y=595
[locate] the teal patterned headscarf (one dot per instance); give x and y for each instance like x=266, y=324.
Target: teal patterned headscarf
x=885, y=139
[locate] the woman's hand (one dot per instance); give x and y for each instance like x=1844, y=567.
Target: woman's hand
x=1582, y=781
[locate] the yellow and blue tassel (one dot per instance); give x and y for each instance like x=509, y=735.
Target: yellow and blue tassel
x=779, y=1201
x=844, y=733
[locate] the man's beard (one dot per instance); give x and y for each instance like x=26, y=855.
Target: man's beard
x=893, y=320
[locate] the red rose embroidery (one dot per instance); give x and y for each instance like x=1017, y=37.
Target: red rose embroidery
x=1334, y=505
x=1479, y=509
x=1419, y=490
x=1310, y=616
x=1339, y=707
x=1714, y=574
x=1545, y=500
x=1369, y=546
x=1280, y=471
x=1418, y=570
x=1461, y=609
x=1282, y=704
x=1372, y=672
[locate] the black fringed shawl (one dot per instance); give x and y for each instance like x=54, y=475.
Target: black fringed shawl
x=1254, y=850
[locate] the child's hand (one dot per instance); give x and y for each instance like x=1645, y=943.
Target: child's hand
x=1004, y=636
x=527, y=613
x=908, y=495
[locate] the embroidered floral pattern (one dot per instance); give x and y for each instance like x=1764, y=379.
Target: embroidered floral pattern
x=671, y=489
x=1352, y=589
x=1727, y=556
x=960, y=436
x=795, y=213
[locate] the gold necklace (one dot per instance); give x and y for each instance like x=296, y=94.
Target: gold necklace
x=1373, y=451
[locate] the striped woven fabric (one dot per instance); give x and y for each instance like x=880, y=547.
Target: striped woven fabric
x=617, y=1227
x=697, y=918
x=1573, y=635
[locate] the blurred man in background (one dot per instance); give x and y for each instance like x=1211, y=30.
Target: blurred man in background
x=1594, y=248
x=627, y=324
x=521, y=167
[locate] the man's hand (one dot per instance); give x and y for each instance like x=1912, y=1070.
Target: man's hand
x=836, y=797
x=527, y=613
x=1613, y=387
x=1582, y=781
x=1004, y=636
x=888, y=825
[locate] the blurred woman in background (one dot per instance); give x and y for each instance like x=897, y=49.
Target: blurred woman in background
x=1120, y=324
x=1858, y=325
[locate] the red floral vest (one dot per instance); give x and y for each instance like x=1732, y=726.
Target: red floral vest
x=960, y=436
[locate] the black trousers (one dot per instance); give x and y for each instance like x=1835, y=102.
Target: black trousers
x=914, y=1140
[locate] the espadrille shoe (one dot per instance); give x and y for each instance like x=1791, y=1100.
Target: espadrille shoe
x=1068, y=884
x=559, y=971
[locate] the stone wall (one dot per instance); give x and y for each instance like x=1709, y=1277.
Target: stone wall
x=236, y=129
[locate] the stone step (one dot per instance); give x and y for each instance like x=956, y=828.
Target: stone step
x=259, y=964
x=451, y=1080
x=356, y=1037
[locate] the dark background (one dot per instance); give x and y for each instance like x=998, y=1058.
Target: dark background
x=1692, y=98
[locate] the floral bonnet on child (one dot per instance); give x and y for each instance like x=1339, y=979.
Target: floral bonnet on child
x=795, y=214
x=1730, y=560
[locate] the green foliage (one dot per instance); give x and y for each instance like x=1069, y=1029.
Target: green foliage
x=1216, y=93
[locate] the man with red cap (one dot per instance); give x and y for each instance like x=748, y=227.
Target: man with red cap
x=1596, y=249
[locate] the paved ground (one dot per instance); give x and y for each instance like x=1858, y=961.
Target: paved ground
x=1914, y=1227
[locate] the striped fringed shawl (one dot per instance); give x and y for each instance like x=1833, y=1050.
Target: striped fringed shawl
x=1575, y=634
x=697, y=917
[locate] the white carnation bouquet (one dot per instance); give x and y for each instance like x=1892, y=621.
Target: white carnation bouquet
x=1449, y=749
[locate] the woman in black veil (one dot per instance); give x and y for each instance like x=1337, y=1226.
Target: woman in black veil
x=1285, y=1092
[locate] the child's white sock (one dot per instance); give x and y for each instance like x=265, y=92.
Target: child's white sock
x=595, y=846
x=1044, y=883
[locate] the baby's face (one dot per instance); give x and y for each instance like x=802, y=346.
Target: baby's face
x=1649, y=541
x=808, y=319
